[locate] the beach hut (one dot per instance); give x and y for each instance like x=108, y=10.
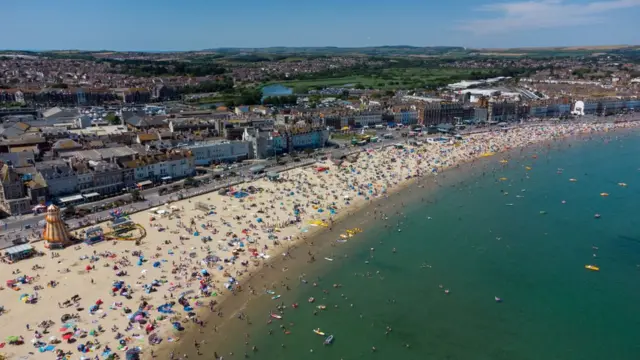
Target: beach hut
x=93, y=235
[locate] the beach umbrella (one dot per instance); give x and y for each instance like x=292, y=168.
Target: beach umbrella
x=67, y=336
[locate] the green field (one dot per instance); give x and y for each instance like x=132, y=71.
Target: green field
x=394, y=78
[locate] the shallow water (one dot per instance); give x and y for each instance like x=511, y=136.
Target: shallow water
x=478, y=247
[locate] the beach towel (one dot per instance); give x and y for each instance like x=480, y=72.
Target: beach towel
x=47, y=348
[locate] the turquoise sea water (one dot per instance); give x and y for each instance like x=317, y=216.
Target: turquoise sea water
x=478, y=247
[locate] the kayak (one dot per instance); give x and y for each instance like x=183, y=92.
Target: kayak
x=270, y=292
x=276, y=316
x=321, y=307
x=317, y=331
x=329, y=259
x=328, y=340
x=592, y=267
x=275, y=297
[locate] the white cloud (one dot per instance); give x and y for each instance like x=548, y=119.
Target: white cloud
x=543, y=14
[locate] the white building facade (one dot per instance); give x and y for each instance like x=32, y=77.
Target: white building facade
x=212, y=152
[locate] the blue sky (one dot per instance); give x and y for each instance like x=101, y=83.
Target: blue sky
x=164, y=25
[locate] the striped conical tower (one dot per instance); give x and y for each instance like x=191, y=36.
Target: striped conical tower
x=55, y=232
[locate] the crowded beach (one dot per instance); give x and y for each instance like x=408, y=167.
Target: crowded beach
x=126, y=287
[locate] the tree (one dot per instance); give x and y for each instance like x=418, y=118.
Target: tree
x=359, y=86
x=113, y=119
x=70, y=210
x=136, y=195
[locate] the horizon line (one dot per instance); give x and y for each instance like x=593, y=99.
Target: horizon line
x=574, y=47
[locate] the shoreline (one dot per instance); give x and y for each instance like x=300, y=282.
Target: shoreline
x=251, y=274
x=232, y=305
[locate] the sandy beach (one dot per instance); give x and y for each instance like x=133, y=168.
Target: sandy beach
x=102, y=300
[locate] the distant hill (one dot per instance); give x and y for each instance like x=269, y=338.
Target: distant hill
x=331, y=50
x=281, y=52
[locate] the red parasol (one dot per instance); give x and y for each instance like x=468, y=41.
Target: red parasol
x=67, y=336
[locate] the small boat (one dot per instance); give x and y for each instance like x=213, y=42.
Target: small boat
x=312, y=299
x=604, y=194
x=328, y=340
x=592, y=267
x=596, y=216
x=317, y=331
x=498, y=299
x=503, y=179
x=328, y=259
x=276, y=316
x=573, y=180
x=509, y=204
x=294, y=305
x=446, y=291
x=275, y=297
x=321, y=307
x=622, y=184
x=270, y=292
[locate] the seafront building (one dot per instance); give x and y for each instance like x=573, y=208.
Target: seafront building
x=100, y=151
x=207, y=153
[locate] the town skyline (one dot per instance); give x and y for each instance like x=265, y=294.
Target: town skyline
x=198, y=25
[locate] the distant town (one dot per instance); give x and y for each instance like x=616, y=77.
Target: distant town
x=77, y=127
